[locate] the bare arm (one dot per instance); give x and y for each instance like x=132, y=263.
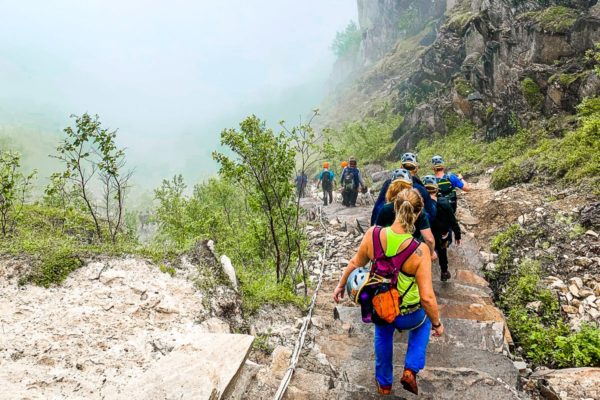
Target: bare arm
x=360, y=259
x=429, y=241
x=423, y=276
x=466, y=187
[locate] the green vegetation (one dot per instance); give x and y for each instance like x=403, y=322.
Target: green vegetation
x=463, y=87
x=369, y=140
x=532, y=93
x=459, y=21
x=250, y=212
x=567, y=80
x=409, y=21
x=347, y=42
x=554, y=19
x=14, y=186
x=528, y=154
x=534, y=312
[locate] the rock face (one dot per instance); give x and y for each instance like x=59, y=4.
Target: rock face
x=384, y=22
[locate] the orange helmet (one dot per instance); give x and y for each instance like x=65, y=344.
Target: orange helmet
x=325, y=164
x=344, y=164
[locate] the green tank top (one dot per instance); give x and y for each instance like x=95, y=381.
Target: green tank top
x=394, y=241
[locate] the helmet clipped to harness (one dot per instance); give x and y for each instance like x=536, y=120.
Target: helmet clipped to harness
x=356, y=282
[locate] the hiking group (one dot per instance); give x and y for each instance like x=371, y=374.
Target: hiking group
x=351, y=182
x=412, y=224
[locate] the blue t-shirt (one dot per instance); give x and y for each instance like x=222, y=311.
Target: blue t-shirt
x=380, y=201
x=331, y=175
x=455, y=181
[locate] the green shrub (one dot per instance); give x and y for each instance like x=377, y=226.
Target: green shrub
x=531, y=92
x=556, y=19
x=545, y=338
x=347, y=42
x=463, y=87
x=55, y=267
x=511, y=173
x=369, y=140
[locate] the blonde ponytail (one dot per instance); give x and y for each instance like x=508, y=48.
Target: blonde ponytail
x=407, y=205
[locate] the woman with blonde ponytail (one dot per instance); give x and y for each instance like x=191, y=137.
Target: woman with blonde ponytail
x=387, y=214
x=418, y=313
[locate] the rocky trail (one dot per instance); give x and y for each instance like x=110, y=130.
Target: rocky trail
x=470, y=361
x=123, y=329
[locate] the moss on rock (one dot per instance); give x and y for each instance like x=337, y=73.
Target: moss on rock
x=532, y=93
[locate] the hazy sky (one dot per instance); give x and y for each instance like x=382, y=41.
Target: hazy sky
x=169, y=74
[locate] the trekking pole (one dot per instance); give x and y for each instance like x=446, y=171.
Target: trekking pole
x=287, y=378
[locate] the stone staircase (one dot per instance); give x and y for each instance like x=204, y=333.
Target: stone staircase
x=469, y=362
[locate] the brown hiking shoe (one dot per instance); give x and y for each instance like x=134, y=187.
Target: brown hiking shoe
x=383, y=390
x=409, y=381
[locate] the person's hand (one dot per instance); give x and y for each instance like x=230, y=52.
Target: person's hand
x=434, y=256
x=439, y=331
x=338, y=294
x=457, y=242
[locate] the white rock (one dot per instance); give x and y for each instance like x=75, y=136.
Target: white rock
x=520, y=365
x=215, y=325
x=229, y=271
x=577, y=281
x=592, y=233
x=574, y=290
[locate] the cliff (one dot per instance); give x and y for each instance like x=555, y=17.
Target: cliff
x=492, y=62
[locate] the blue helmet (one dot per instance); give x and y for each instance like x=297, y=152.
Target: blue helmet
x=402, y=175
x=356, y=282
x=437, y=162
x=409, y=161
x=430, y=183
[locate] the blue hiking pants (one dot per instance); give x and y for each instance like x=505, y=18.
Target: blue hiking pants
x=419, y=327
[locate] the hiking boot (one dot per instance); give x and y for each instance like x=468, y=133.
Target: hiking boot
x=409, y=381
x=383, y=390
x=445, y=276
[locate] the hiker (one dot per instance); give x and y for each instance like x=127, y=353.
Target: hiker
x=351, y=181
x=387, y=215
x=380, y=199
x=409, y=162
x=396, y=256
x=448, y=183
x=443, y=225
x=326, y=178
x=301, y=182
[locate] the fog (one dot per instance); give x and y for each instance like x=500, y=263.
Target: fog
x=170, y=75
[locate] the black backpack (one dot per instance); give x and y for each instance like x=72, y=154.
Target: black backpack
x=326, y=180
x=349, y=181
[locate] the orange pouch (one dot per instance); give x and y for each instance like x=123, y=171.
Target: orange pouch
x=387, y=305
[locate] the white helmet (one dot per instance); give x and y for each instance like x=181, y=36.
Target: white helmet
x=356, y=282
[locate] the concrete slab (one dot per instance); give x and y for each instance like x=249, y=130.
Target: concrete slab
x=202, y=367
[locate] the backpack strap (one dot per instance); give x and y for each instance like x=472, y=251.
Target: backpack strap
x=400, y=258
x=378, y=251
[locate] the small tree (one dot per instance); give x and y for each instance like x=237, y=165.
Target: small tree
x=263, y=168
x=92, y=159
x=14, y=186
x=347, y=42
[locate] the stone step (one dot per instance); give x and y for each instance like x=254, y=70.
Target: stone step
x=484, y=334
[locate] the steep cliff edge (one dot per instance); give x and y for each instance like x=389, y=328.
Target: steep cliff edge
x=493, y=62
